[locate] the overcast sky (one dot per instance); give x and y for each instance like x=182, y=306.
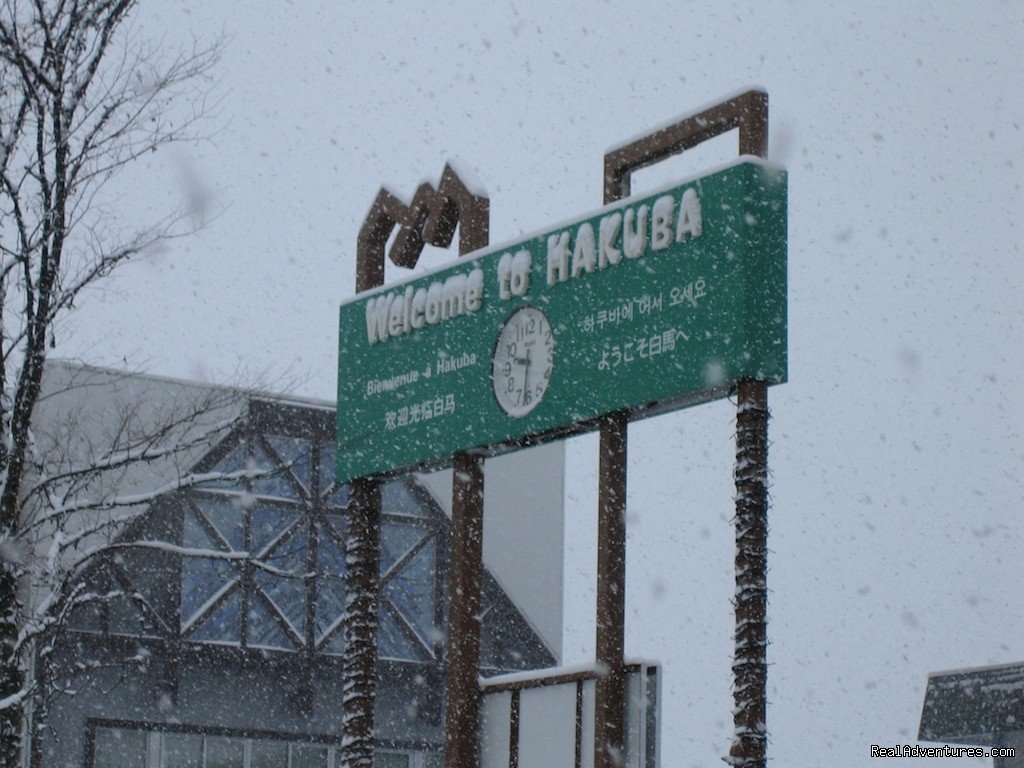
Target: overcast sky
x=897, y=461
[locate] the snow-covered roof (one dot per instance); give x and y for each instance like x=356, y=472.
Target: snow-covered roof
x=148, y=431
x=88, y=413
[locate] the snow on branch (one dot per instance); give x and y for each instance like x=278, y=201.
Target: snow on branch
x=81, y=98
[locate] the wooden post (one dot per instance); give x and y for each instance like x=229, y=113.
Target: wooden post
x=749, y=666
x=748, y=113
x=610, y=686
x=462, y=687
x=362, y=555
x=462, y=707
x=431, y=218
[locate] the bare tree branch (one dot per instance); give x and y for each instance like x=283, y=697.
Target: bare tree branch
x=79, y=102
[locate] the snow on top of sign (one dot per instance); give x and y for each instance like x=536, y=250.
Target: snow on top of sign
x=538, y=674
x=470, y=260
x=679, y=118
x=529, y=675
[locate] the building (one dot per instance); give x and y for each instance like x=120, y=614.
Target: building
x=980, y=707
x=209, y=634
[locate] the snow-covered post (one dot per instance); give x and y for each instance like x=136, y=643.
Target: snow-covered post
x=749, y=664
x=747, y=112
x=362, y=552
x=362, y=557
x=432, y=217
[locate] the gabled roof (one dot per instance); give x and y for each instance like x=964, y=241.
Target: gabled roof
x=296, y=529
x=87, y=411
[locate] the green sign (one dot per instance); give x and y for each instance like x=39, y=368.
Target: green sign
x=649, y=304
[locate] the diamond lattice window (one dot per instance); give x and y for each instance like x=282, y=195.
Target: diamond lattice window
x=265, y=564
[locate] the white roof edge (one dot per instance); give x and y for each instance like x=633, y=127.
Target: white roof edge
x=254, y=393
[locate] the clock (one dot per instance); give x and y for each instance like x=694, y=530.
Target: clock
x=523, y=360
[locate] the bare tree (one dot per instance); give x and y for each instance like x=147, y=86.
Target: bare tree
x=79, y=102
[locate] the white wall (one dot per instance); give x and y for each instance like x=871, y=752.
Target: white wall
x=524, y=531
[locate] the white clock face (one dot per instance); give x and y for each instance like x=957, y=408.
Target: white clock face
x=523, y=360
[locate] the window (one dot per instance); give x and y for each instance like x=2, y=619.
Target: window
x=128, y=747
x=182, y=750
x=259, y=563
x=120, y=748
x=253, y=545
x=391, y=760
x=224, y=752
